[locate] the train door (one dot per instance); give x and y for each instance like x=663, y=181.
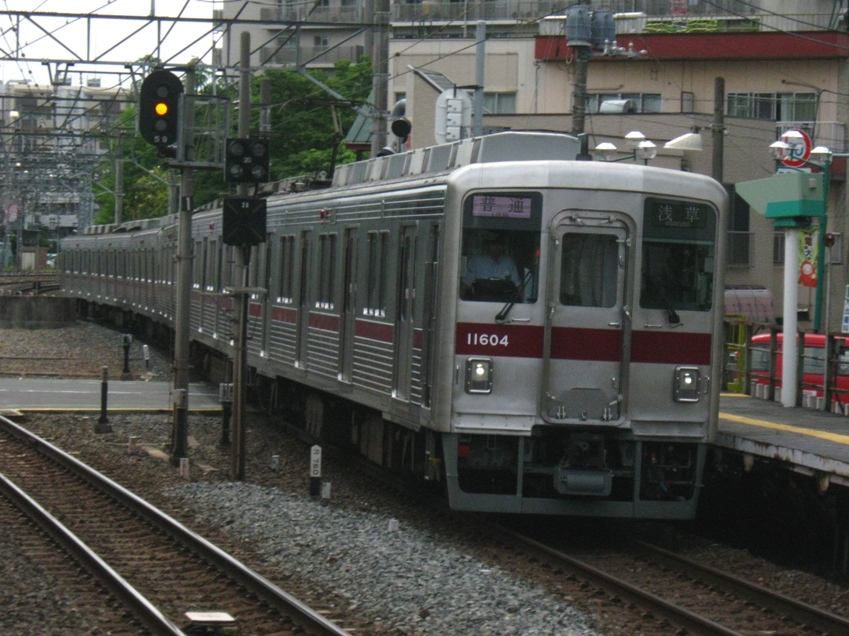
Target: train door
x=303, y=303
x=349, y=304
x=405, y=312
x=431, y=276
x=587, y=330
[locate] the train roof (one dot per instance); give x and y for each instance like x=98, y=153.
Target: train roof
x=504, y=146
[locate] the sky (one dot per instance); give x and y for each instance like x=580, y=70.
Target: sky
x=67, y=37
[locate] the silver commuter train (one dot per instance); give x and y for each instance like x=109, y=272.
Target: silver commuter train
x=587, y=383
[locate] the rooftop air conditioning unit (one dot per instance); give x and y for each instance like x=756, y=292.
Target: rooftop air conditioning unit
x=620, y=106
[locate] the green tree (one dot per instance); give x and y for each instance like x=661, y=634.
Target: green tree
x=308, y=125
x=145, y=179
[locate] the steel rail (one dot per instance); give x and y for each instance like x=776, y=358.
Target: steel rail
x=822, y=620
x=141, y=608
x=690, y=621
x=312, y=621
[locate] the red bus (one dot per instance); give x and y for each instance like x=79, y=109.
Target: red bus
x=813, y=366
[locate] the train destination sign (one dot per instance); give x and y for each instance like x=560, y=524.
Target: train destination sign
x=505, y=207
x=676, y=214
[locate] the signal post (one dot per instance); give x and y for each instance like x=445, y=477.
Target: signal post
x=246, y=161
x=166, y=121
x=162, y=123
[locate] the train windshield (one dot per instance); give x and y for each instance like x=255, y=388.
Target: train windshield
x=678, y=261
x=500, y=251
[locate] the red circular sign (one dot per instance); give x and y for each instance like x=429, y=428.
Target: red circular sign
x=800, y=148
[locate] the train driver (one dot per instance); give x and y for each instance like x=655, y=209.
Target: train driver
x=493, y=275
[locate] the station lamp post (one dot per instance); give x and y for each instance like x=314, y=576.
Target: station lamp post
x=820, y=157
x=641, y=149
x=791, y=198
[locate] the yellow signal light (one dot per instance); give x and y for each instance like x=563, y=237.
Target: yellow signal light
x=161, y=108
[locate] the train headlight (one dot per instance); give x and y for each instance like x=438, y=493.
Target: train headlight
x=478, y=375
x=685, y=386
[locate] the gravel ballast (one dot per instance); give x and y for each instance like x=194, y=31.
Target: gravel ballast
x=367, y=551
x=407, y=570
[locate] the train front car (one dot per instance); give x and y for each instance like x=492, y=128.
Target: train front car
x=588, y=308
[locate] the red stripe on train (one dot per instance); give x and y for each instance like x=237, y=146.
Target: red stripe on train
x=572, y=343
x=328, y=322
x=671, y=347
x=374, y=330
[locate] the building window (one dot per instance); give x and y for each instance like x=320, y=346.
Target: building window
x=739, y=236
x=640, y=102
x=778, y=248
x=499, y=103
x=773, y=106
x=321, y=41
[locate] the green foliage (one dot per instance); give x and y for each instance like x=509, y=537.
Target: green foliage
x=304, y=137
x=145, y=180
x=308, y=125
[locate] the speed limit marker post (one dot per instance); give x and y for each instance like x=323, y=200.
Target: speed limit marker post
x=315, y=471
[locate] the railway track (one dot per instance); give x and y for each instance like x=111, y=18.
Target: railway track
x=692, y=597
x=28, y=284
x=169, y=579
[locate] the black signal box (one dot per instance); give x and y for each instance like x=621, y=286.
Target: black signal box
x=243, y=221
x=159, y=108
x=246, y=160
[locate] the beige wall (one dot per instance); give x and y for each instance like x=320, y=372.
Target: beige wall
x=544, y=96
x=546, y=87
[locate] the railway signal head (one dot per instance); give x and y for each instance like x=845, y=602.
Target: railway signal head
x=159, y=109
x=246, y=161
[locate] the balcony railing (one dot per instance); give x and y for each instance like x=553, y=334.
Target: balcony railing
x=308, y=12
x=831, y=134
x=473, y=11
x=313, y=55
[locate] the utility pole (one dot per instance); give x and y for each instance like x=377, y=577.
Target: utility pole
x=480, y=60
x=579, y=99
x=119, y=181
x=380, y=64
x=718, y=128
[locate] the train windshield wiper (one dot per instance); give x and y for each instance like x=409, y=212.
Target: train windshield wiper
x=501, y=316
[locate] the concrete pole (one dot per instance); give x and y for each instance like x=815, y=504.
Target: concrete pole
x=119, y=182
x=242, y=254
x=182, y=326
x=791, y=292
x=579, y=96
x=380, y=64
x=718, y=128
x=480, y=60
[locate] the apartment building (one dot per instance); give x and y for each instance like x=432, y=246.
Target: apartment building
x=52, y=138
x=783, y=64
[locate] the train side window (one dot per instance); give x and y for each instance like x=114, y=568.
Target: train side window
x=327, y=270
x=814, y=361
x=760, y=359
x=378, y=247
x=286, y=291
x=843, y=363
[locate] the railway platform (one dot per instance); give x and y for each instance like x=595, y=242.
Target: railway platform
x=63, y=395
x=807, y=441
